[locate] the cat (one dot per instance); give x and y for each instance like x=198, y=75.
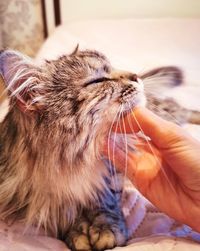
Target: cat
x=52, y=172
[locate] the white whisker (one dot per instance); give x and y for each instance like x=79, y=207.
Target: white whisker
x=155, y=156
x=126, y=152
x=108, y=143
x=114, y=144
x=130, y=124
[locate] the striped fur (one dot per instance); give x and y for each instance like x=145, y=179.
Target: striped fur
x=51, y=171
x=50, y=163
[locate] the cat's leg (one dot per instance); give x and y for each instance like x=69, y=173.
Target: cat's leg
x=170, y=110
x=194, y=117
x=108, y=228
x=77, y=237
x=157, y=83
x=102, y=226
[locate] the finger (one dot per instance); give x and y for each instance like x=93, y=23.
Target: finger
x=147, y=168
x=161, y=132
x=143, y=164
x=146, y=119
x=119, y=158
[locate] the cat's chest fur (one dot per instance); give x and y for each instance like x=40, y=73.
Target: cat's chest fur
x=81, y=185
x=39, y=188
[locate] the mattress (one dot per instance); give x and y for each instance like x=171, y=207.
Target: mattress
x=135, y=45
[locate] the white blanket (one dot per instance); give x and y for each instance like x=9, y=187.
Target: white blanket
x=135, y=45
x=149, y=230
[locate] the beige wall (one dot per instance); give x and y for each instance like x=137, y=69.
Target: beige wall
x=88, y=9
x=21, y=25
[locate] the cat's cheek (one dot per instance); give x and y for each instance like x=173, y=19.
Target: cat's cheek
x=141, y=96
x=143, y=101
x=112, y=112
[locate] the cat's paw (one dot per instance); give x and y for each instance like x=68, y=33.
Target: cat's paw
x=80, y=242
x=105, y=236
x=102, y=238
x=77, y=238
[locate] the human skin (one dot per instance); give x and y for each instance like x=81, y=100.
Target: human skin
x=167, y=169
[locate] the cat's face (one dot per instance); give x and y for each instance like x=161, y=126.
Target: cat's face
x=85, y=87
x=72, y=91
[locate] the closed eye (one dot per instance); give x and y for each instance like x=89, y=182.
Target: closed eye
x=97, y=80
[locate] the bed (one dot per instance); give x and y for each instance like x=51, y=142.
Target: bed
x=135, y=45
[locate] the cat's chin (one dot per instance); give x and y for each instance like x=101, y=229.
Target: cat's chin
x=131, y=105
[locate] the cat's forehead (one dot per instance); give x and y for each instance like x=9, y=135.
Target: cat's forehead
x=94, y=59
x=91, y=58
x=91, y=54
x=80, y=64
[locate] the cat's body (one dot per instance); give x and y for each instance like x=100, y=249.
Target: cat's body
x=52, y=174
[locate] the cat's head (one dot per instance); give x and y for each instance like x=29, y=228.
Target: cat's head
x=77, y=90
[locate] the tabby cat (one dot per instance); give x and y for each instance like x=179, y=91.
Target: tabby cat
x=52, y=173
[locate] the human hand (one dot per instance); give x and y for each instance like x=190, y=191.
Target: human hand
x=167, y=169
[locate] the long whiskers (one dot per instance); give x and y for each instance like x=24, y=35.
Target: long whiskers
x=151, y=79
x=114, y=145
x=122, y=130
x=126, y=152
x=115, y=119
x=153, y=152
x=130, y=124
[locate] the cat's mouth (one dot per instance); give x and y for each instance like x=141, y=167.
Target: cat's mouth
x=124, y=113
x=133, y=96
x=138, y=101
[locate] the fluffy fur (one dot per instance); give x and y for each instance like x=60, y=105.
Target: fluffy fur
x=50, y=139
x=51, y=170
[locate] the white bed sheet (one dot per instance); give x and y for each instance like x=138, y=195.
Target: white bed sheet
x=135, y=45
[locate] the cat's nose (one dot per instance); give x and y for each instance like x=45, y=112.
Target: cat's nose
x=132, y=77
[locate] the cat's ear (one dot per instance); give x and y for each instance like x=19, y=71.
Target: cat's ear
x=169, y=76
x=75, y=51
x=21, y=78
